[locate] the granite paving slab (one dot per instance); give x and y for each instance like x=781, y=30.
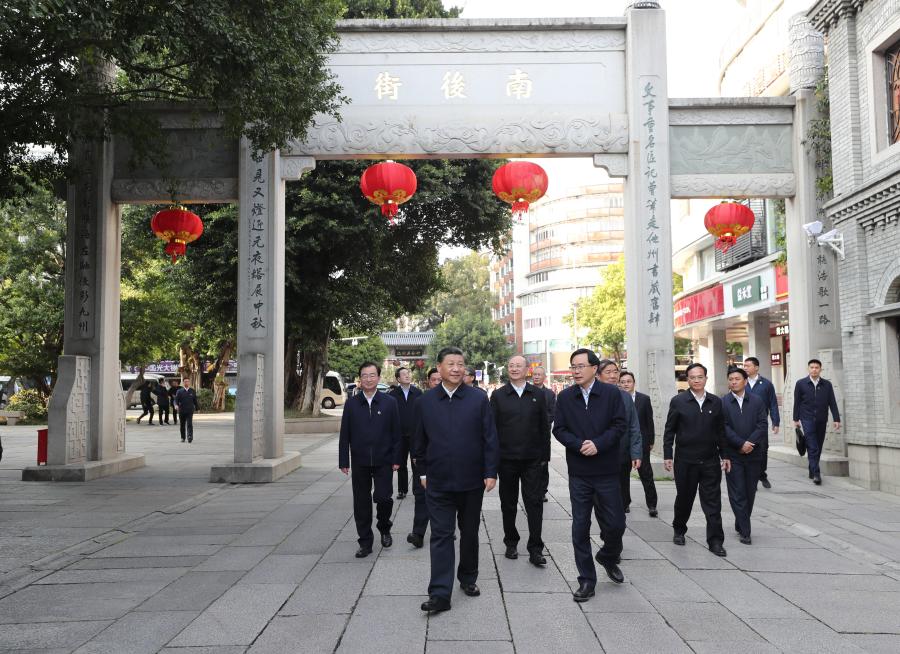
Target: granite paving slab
x=480, y=618
x=300, y=633
x=45, y=636
x=638, y=633
x=138, y=633
x=193, y=591
x=544, y=622
x=380, y=627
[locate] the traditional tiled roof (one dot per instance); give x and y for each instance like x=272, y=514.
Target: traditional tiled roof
x=407, y=338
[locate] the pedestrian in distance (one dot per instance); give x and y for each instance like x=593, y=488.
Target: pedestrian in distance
x=538, y=377
x=631, y=448
x=520, y=413
x=406, y=395
x=162, y=401
x=813, y=398
x=695, y=428
x=469, y=379
x=590, y=423
x=186, y=404
x=763, y=388
x=746, y=428
x=648, y=438
x=146, y=402
x=369, y=448
x=173, y=389
x=457, y=454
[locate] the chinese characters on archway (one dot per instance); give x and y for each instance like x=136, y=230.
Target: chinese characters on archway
x=257, y=239
x=518, y=85
x=651, y=229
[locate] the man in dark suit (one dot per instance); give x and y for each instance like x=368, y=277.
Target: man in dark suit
x=538, y=376
x=763, y=388
x=648, y=438
x=457, y=453
x=746, y=430
x=696, y=427
x=590, y=423
x=406, y=395
x=520, y=413
x=370, y=433
x=186, y=403
x=630, y=449
x=813, y=397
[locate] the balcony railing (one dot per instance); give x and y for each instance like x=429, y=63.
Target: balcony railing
x=750, y=246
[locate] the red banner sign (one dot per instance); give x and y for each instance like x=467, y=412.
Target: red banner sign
x=699, y=306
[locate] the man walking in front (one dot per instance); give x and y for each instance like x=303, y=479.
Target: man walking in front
x=186, y=403
x=406, y=395
x=746, y=430
x=590, y=423
x=763, y=388
x=695, y=427
x=813, y=397
x=457, y=454
x=520, y=413
x=370, y=436
x=538, y=377
x=648, y=436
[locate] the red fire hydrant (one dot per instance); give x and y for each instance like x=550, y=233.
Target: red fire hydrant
x=42, y=447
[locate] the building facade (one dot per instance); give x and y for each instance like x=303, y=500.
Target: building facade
x=863, y=39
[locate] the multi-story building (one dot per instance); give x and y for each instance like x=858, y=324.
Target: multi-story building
x=504, y=311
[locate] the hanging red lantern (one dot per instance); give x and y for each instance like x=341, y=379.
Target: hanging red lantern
x=520, y=183
x=728, y=221
x=388, y=184
x=177, y=227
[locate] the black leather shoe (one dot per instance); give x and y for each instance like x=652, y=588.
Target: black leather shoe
x=415, y=540
x=183, y=441
x=810, y=475
x=436, y=605
x=627, y=509
x=538, y=559
x=386, y=540
x=400, y=496
x=363, y=552
x=583, y=594
x=765, y=483
x=653, y=511
x=817, y=480
x=716, y=548
x=472, y=590
x=545, y=499
x=613, y=572
x=678, y=539
x=598, y=557
x=511, y=552
x=746, y=540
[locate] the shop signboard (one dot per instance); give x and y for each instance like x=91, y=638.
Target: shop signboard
x=753, y=293
x=708, y=303
x=775, y=359
x=749, y=291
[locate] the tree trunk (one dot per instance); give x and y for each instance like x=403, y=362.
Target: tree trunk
x=220, y=367
x=291, y=376
x=189, y=364
x=137, y=383
x=314, y=367
x=219, y=388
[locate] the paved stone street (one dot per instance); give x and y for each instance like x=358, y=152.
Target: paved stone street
x=159, y=560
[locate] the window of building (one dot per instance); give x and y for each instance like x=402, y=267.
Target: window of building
x=892, y=78
x=533, y=347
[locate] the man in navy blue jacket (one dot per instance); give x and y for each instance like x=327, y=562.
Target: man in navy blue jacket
x=457, y=453
x=370, y=434
x=590, y=423
x=406, y=395
x=763, y=388
x=813, y=397
x=746, y=430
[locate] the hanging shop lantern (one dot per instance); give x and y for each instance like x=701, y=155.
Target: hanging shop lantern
x=727, y=222
x=388, y=184
x=177, y=227
x=520, y=183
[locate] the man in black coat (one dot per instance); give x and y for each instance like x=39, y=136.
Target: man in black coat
x=146, y=402
x=590, y=423
x=457, y=453
x=813, y=397
x=520, y=413
x=648, y=438
x=538, y=377
x=186, y=403
x=173, y=389
x=162, y=401
x=370, y=434
x=696, y=427
x=631, y=447
x=746, y=428
x=763, y=389
x=406, y=395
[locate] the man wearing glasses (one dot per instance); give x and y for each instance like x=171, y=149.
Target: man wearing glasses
x=696, y=427
x=590, y=423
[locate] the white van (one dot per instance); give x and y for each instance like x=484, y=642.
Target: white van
x=333, y=391
x=128, y=378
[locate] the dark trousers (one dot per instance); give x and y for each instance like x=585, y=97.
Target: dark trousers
x=175, y=414
x=363, y=479
x=742, y=482
x=604, y=496
x=527, y=472
x=420, y=507
x=765, y=461
x=403, y=471
x=707, y=478
x=163, y=409
x=446, y=509
x=545, y=478
x=645, y=472
x=147, y=410
x=814, y=433
x=187, y=425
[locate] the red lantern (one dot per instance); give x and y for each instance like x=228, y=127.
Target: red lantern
x=177, y=227
x=520, y=183
x=728, y=221
x=388, y=184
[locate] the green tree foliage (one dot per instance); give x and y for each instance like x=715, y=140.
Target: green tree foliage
x=464, y=288
x=398, y=9
x=477, y=335
x=260, y=64
x=603, y=313
x=346, y=358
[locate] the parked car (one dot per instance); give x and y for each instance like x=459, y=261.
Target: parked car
x=128, y=378
x=333, y=390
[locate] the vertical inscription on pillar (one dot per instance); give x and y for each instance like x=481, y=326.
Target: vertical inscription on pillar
x=649, y=176
x=78, y=410
x=654, y=391
x=258, y=251
x=259, y=418
x=120, y=422
x=86, y=210
x=824, y=299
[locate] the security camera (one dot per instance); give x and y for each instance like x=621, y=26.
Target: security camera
x=813, y=229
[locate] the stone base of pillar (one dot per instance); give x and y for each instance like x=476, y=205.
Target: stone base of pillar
x=84, y=471
x=831, y=465
x=320, y=425
x=259, y=472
